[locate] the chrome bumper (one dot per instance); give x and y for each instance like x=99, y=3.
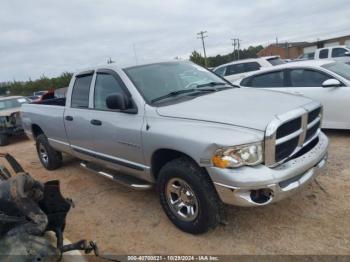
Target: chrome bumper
x=243, y=186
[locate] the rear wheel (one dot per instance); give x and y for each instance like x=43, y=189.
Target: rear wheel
x=49, y=157
x=4, y=140
x=188, y=196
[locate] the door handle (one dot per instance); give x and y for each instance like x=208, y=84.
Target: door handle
x=68, y=118
x=96, y=122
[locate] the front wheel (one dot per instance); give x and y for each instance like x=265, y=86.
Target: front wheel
x=188, y=196
x=49, y=157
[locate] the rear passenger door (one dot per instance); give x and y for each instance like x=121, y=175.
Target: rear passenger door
x=77, y=115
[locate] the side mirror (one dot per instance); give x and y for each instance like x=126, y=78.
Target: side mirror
x=331, y=83
x=117, y=101
x=347, y=53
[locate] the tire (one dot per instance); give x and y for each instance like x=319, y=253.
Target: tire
x=4, y=140
x=49, y=157
x=177, y=175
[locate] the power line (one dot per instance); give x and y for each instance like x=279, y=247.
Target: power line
x=201, y=35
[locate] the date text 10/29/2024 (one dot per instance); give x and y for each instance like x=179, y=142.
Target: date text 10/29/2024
x=173, y=258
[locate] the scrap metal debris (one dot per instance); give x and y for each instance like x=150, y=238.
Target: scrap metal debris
x=28, y=209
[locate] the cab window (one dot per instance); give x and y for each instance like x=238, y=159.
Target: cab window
x=324, y=53
x=106, y=84
x=338, y=52
x=81, y=90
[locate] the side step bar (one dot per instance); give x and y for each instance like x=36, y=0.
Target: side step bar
x=125, y=180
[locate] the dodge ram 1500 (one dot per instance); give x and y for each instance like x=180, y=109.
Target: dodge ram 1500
x=176, y=125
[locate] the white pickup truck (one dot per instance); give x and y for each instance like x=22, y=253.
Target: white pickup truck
x=176, y=125
x=338, y=53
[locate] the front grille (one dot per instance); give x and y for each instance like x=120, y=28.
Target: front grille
x=289, y=133
x=312, y=131
x=286, y=149
x=314, y=114
x=288, y=128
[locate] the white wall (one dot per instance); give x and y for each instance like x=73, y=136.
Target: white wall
x=309, y=49
x=347, y=43
x=331, y=44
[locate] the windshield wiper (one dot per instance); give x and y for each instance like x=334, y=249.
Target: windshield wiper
x=179, y=92
x=212, y=84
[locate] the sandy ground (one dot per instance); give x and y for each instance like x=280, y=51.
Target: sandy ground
x=123, y=221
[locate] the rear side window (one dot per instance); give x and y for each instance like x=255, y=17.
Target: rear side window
x=276, y=61
x=105, y=85
x=324, y=53
x=234, y=69
x=252, y=66
x=273, y=79
x=338, y=52
x=307, y=78
x=81, y=90
x=220, y=71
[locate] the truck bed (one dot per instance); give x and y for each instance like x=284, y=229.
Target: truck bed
x=48, y=115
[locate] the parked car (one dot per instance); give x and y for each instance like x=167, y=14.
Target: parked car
x=338, y=53
x=238, y=69
x=10, y=120
x=200, y=140
x=325, y=81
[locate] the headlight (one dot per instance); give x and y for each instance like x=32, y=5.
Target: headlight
x=237, y=156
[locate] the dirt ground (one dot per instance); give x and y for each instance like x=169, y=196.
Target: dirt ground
x=124, y=221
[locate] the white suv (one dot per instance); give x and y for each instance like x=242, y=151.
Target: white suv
x=236, y=70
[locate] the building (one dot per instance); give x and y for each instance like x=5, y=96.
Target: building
x=284, y=50
x=311, y=47
x=293, y=50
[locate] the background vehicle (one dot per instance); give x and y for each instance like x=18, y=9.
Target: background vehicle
x=325, y=81
x=237, y=69
x=181, y=127
x=10, y=121
x=338, y=53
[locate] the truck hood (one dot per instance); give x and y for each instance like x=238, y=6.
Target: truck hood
x=251, y=108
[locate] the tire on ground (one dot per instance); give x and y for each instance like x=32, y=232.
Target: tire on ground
x=208, y=216
x=54, y=158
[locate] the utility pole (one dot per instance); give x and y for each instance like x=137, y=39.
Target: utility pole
x=135, y=55
x=236, y=43
x=201, y=35
x=234, y=48
x=110, y=61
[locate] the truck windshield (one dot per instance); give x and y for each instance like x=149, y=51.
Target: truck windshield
x=11, y=103
x=158, y=80
x=339, y=68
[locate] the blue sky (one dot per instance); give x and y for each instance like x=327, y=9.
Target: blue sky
x=49, y=37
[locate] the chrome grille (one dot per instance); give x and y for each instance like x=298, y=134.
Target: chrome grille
x=290, y=132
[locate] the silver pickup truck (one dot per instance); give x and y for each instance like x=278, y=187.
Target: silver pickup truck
x=201, y=140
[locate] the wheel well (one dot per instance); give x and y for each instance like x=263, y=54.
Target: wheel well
x=36, y=130
x=163, y=156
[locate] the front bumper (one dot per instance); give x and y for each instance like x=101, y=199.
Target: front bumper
x=261, y=185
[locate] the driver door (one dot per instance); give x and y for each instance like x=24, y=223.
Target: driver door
x=335, y=100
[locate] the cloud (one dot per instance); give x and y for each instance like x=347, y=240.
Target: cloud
x=48, y=37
